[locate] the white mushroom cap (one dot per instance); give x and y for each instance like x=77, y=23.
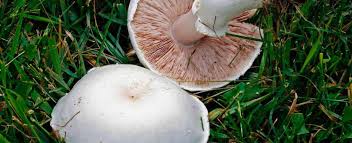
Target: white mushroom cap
x=129, y=104
x=208, y=63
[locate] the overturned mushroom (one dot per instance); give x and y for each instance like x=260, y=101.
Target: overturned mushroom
x=186, y=41
x=129, y=104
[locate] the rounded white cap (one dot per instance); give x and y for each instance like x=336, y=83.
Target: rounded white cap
x=129, y=104
x=211, y=63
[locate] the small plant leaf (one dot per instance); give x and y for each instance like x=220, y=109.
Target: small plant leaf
x=347, y=114
x=215, y=113
x=299, y=126
x=3, y=139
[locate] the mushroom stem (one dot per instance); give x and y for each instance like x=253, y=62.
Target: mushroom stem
x=209, y=18
x=184, y=30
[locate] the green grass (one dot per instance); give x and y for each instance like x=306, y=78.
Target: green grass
x=298, y=90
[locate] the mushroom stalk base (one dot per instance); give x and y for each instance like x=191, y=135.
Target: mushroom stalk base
x=209, y=18
x=184, y=30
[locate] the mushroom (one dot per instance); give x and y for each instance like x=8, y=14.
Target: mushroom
x=186, y=41
x=129, y=104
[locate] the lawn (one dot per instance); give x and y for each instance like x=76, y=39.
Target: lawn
x=298, y=90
